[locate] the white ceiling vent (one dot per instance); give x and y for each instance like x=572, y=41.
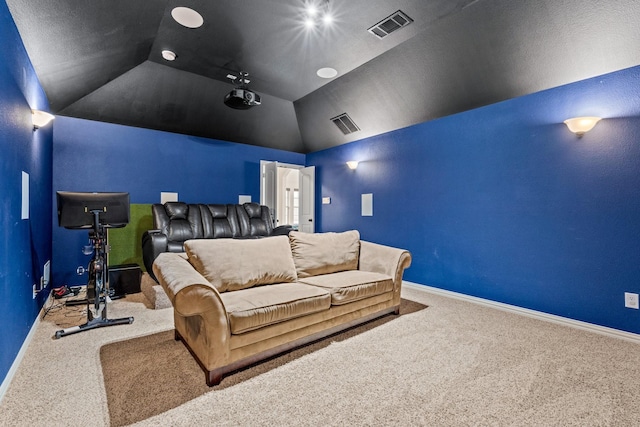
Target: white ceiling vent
x=345, y=124
x=389, y=24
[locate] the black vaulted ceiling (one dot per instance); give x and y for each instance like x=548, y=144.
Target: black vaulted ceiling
x=101, y=60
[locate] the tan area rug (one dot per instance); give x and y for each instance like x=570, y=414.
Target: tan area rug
x=149, y=375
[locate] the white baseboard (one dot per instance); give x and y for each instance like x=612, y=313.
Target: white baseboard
x=603, y=330
x=23, y=349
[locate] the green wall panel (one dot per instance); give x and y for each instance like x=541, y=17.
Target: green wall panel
x=125, y=242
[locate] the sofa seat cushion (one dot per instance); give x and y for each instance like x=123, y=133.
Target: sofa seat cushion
x=324, y=253
x=253, y=308
x=352, y=285
x=234, y=264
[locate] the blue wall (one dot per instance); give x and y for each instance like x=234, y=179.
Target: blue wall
x=504, y=203
x=26, y=244
x=94, y=156
x=500, y=202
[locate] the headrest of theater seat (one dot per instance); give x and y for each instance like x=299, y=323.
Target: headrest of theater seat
x=176, y=210
x=219, y=221
x=253, y=210
x=218, y=211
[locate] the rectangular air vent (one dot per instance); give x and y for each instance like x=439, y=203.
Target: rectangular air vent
x=389, y=24
x=345, y=124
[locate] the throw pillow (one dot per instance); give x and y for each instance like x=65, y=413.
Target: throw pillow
x=233, y=264
x=324, y=253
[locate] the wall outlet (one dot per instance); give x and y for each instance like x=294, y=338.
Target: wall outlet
x=631, y=300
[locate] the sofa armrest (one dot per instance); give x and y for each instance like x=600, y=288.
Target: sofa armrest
x=154, y=242
x=194, y=297
x=385, y=260
x=189, y=292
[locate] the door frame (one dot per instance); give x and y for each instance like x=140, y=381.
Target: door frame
x=262, y=184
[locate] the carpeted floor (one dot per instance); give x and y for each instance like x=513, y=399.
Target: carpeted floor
x=149, y=375
x=455, y=363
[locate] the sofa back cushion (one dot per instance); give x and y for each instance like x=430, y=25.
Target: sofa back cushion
x=324, y=253
x=233, y=264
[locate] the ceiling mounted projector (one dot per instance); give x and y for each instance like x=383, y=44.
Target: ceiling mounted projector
x=241, y=98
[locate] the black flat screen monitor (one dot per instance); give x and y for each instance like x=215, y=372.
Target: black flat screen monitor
x=75, y=209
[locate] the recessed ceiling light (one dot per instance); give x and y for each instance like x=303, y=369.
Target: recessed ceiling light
x=327, y=73
x=316, y=13
x=168, y=55
x=187, y=17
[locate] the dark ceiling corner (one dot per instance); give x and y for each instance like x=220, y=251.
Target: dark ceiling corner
x=102, y=61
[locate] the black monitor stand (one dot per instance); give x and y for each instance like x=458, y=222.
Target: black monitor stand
x=97, y=286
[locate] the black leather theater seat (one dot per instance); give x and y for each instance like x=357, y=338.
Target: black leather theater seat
x=176, y=222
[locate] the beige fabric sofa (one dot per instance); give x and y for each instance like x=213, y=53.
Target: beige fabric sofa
x=237, y=302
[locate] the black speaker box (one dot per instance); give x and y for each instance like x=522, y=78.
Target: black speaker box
x=124, y=279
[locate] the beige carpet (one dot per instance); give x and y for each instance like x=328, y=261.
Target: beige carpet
x=149, y=375
x=452, y=364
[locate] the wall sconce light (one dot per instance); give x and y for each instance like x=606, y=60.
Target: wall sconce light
x=353, y=164
x=581, y=125
x=40, y=118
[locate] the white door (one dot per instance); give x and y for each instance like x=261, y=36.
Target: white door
x=269, y=193
x=307, y=199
